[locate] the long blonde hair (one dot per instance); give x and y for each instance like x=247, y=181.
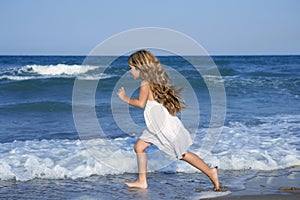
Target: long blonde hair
x=153, y=72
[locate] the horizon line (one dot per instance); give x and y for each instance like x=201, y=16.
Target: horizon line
x=160, y=55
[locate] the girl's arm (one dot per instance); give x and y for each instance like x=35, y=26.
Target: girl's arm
x=141, y=101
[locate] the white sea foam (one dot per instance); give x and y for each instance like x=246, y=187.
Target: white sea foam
x=17, y=78
x=209, y=195
x=59, y=159
x=270, y=145
x=52, y=159
x=59, y=69
x=28, y=72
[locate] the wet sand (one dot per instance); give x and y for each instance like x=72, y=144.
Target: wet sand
x=275, y=185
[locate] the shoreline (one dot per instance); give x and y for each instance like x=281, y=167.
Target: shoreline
x=276, y=184
x=264, y=197
x=244, y=184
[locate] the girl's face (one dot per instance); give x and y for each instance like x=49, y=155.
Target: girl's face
x=135, y=72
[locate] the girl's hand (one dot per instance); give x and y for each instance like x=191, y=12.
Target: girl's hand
x=122, y=94
x=139, y=102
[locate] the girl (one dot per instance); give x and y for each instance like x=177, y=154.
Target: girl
x=164, y=129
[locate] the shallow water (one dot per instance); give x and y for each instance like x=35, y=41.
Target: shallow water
x=161, y=186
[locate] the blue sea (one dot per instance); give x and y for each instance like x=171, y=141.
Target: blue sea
x=42, y=155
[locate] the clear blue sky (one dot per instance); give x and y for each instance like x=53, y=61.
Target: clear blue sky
x=222, y=27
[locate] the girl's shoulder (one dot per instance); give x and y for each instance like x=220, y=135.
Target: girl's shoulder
x=145, y=83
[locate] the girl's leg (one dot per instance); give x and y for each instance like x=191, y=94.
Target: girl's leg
x=139, y=148
x=197, y=162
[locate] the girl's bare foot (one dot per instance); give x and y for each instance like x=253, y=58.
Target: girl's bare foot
x=215, y=179
x=137, y=184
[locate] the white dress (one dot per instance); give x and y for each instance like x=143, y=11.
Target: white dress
x=165, y=130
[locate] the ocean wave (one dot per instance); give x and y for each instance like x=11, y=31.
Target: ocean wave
x=42, y=106
x=67, y=159
x=284, y=85
x=59, y=69
x=271, y=144
x=29, y=72
x=50, y=159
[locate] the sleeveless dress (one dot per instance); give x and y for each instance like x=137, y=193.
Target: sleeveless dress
x=165, y=130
